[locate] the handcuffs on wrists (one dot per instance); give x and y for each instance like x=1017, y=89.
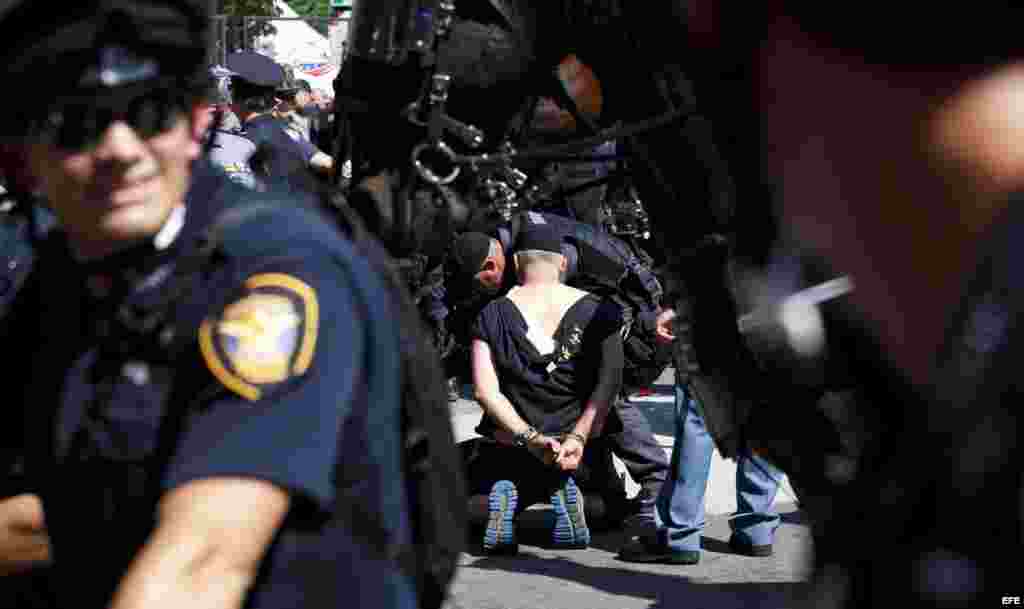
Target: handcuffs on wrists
x=523, y=438
x=576, y=436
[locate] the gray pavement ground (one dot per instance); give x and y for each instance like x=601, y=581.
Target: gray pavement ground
x=595, y=579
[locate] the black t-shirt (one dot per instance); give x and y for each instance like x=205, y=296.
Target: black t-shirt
x=550, y=390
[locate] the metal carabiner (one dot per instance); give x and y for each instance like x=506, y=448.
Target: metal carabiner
x=428, y=174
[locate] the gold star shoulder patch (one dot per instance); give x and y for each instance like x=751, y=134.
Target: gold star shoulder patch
x=264, y=338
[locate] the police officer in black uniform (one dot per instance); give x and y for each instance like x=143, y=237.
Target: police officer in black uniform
x=196, y=360
x=255, y=82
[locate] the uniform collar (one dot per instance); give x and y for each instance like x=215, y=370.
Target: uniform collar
x=160, y=241
x=171, y=229
x=134, y=264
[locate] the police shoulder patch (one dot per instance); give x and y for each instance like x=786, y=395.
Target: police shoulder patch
x=265, y=337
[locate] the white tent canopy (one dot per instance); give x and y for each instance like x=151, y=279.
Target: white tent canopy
x=299, y=45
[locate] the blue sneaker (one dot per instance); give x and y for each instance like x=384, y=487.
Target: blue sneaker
x=571, y=529
x=500, y=536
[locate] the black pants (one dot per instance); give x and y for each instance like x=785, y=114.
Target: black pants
x=639, y=451
x=634, y=444
x=487, y=462
x=30, y=590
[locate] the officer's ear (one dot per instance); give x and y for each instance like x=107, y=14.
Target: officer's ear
x=563, y=265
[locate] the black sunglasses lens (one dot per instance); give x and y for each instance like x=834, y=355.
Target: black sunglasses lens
x=71, y=128
x=155, y=114
x=145, y=117
x=80, y=126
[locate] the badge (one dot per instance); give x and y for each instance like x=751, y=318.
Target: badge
x=264, y=338
x=119, y=66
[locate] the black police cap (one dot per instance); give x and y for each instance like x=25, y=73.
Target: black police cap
x=103, y=43
x=541, y=238
x=255, y=70
x=468, y=254
x=98, y=53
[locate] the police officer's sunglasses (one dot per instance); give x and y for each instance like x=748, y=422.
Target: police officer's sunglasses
x=80, y=124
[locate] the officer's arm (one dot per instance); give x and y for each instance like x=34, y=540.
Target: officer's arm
x=224, y=498
x=205, y=552
x=24, y=542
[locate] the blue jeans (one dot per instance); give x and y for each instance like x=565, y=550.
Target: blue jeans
x=680, y=505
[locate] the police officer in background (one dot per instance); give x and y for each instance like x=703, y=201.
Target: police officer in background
x=221, y=83
x=294, y=99
x=225, y=146
x=186, y=439
x=255, y=83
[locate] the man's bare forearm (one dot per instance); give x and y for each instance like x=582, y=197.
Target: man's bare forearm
x=499, y=408
x=206, y=549
x=173, y=575
x=595, y=411
x=24, y=543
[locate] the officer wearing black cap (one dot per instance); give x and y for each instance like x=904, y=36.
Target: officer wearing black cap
x=255, y=84
x=226, y=147
x=194, y=360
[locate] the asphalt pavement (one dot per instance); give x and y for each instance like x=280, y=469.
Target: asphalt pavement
x=594, y=578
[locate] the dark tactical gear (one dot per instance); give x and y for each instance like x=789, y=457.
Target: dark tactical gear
x=935, y=470
x=432, y=464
